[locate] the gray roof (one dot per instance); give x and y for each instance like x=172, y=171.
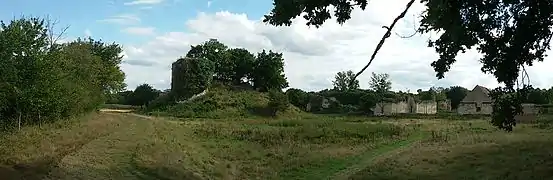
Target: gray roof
x=478, y=94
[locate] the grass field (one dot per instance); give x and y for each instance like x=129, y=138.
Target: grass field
x=127, y=146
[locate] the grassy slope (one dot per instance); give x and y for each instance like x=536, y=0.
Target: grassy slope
x=221, y=103
x=314, y=147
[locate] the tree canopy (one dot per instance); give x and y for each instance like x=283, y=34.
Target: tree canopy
x=511, y=34
x=380, y=83
x=343, y=81
x=42, y=80
x=234, y=66
x=142, y=95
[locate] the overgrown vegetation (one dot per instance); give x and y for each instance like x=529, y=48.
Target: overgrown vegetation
x=42, y=80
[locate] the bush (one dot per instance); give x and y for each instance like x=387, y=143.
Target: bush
x=278, y=101
x=161, y=102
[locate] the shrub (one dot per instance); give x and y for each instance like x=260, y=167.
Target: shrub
x=278, y=101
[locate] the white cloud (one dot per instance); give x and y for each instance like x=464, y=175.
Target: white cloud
x=313, y=56
x=124, y=19
x=209, y=3
x=142, y=31
x=142, y=2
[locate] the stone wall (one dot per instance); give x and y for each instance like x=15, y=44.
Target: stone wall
x=404, y=107
x=471, y=108
x=427, y=108
x=390, y=108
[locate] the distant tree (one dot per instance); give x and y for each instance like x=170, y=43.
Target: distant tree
x=429, y=95
x=142, y=95
x=298, y=97
x=439, y=93
x=243, y=64
x=456, y=94
x=380, y=83
x=549, y=95
x=268, y=71
x=537, y=96
x=278, y=101
x=343, y=81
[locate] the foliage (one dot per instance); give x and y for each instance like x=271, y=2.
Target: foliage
x=142, y=95
x=112, y=77
x=278, y=101
x=161, y=102
x=269, y=71
x=215, y=52
x=537, y=96
x=509, y=34
x=343, y=81
x=298, y=97
x=243, y=64
x=456, y=94
x=368, y=101
x=190, y=76
x=44, y=81
x=232, y=66
x=380, y=83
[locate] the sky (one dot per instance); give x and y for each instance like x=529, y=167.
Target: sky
x=154, y=33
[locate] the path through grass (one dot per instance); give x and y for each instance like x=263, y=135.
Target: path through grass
x=125, y=146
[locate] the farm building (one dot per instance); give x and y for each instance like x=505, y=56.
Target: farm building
x=477, y=101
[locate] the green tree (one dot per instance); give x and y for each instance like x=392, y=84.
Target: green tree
x=268, y=71
x=298, y=97
x=44, y=81
x=216, y=52
x=278, y=101
x=143, y=95
x=509, y=34
x=456, y=94
x=537, y=96
x=380, y=83
x=368, y=101
x=343, y=81
x=112, y=77
x=243, y=64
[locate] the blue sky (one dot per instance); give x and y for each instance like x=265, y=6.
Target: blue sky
x=154, y=33
x=90, y=15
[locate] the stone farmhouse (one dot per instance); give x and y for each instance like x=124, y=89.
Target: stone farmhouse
x=477, y=101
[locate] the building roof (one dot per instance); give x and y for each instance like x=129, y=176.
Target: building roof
x=478, y=94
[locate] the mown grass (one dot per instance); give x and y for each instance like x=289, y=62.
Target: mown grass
x=124, y=146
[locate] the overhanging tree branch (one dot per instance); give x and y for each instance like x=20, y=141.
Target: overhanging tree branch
x=387, y=35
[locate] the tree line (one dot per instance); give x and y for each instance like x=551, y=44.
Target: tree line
x=352, y=98
x=42, y=80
